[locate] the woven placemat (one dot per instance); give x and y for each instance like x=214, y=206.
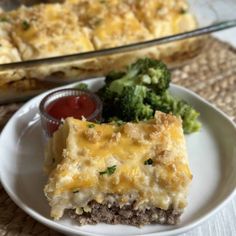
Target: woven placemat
x=212, y=75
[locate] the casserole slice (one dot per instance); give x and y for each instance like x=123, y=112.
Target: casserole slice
x=8, y=52
x=49, y=30
x=134, y=173
x=166, y=18
x=110, y=23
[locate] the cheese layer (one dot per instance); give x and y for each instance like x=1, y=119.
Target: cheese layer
x=75, y=26
x=126, y=21
x=48, y=30
x=148, y=162
x=112, y=23
x=8, y=52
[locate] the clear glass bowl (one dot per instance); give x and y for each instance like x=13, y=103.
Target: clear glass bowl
x=50, y=124
x=211, y=16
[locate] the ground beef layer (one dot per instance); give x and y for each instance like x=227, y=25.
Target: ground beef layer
x=125, y=215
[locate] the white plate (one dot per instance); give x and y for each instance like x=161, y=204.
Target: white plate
x=212, y=155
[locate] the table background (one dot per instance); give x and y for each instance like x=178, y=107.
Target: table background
x=213, y=76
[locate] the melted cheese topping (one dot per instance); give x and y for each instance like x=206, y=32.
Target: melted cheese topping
x=77, y=155
x=112, y=23
x=151, y=19
x=164, y=18
x=116, y=30
x=8, y=52
x=49, y=30
x=90, y=12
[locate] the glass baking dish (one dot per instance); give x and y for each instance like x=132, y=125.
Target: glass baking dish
x=43, y=73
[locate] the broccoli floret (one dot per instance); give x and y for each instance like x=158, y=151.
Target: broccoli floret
x=189, y=117
x=108, y=98
x=128, y=106
x=168, y=104
x=114, y=75
x=137, y=93
x=160, y=103
x=106, y=94
x=148, y=72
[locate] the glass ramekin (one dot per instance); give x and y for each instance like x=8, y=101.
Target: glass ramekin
x=51, y=124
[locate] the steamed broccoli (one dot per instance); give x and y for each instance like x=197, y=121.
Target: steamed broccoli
x=137, y=93
x=130, y=105
x=148, y=72
x=124, y=93
x=168, y=104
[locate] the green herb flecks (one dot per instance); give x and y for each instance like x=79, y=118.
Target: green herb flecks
x=91, y=126
x=116, y=121
x=183, y=11
x=25, y=25
x=98, y=122
x=97, y=22
x=82, y=86
x=75, y=191
x=109, y=171
x=119, y=122
x=148, y=162
x=3, y=19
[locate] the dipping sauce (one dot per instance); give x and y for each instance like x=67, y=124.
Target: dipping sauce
x=59, y=105
x=75, y=106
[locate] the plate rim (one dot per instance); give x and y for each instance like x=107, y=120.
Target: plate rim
x=66, y=229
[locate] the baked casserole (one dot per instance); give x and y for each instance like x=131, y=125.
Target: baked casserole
x=134, y=173
x=75, y=26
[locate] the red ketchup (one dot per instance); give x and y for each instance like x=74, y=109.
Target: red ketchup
x=65, y=103
x=75, y=106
